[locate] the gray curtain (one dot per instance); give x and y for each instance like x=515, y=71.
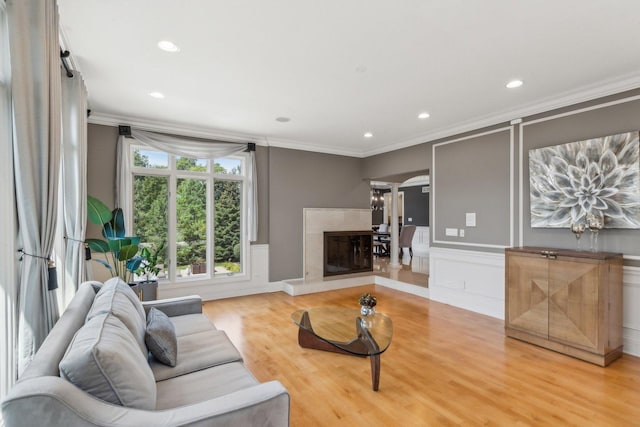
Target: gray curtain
x=71, y=271
x=35, y=69
x=187, y=147
x=8, y=224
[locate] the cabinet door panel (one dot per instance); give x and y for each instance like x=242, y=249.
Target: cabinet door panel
x=573, y=303
x=528, y=288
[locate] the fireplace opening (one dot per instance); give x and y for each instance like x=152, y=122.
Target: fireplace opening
x=347, y=252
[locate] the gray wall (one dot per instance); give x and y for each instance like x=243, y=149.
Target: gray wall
x=416, y=206
x=472, y=176
x=469, y=176
x=101, y=167
x=608, y=120
x=398, y=165
x=303, y=179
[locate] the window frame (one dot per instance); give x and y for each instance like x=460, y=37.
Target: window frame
x=173, y=174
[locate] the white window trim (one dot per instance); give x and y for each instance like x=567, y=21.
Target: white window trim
x=173, y=281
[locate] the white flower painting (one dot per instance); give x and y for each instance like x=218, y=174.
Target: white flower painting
x=599, y=176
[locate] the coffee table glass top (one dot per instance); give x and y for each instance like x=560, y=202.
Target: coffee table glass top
x=347, y=329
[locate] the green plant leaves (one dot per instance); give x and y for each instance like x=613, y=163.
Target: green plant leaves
x=127, y=252
x=123, y=249
x=98, y=245
x=97, y=212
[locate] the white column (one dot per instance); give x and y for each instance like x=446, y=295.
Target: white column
x=395, y=233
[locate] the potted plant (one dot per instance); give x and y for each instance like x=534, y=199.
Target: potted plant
x=367, y=304
x=149, y=269
x=121, y=251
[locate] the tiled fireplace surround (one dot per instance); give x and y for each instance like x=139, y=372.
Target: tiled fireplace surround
x=318, y=220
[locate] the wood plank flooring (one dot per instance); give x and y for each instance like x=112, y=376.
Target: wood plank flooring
x=445, y=366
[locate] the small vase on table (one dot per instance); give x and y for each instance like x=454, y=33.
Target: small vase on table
x=595, y=222
x=577, y=229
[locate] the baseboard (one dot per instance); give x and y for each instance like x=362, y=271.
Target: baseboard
x=631, y=310
x=303, y=287
x=420, y=291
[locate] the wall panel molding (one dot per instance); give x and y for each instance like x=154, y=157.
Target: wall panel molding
x=523, y=168
x=434, y=221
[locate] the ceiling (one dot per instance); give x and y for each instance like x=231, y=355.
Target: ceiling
x=338, y=69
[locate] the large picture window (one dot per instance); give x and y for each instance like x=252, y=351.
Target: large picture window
x=191, y=210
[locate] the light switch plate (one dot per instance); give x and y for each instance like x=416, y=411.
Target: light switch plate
x=462, y=232
x=410, y=219
x=451, y=232
x=470, y=219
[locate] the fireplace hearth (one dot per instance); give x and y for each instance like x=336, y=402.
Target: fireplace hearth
x=347, y=252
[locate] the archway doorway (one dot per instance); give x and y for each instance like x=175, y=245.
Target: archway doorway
x=413, y=209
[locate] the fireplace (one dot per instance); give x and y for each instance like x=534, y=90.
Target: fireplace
x=347, y=252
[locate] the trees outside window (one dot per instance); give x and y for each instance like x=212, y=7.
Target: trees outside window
x=194, y=207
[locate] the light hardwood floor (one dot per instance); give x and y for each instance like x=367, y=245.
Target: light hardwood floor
x=445, y=366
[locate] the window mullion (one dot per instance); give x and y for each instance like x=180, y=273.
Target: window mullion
x=211, y=249
x=172, y=231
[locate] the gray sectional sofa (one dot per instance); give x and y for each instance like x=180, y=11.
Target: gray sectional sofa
x=94, y=369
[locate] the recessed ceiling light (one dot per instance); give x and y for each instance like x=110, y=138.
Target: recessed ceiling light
x=514, y=84
x=368, y=135
x=168, y=46
x=424, y=115
x=283, y=119
x=156, y=95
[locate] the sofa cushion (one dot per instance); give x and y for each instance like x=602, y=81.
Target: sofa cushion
x=104, y=360
x=191, y=324
x=203, y=385
x=115, y=298
x=196, y=352
x=123, y=288
x=160, y=337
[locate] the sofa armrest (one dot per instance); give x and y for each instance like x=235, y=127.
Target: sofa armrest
x=179, y=306
x=56, y=402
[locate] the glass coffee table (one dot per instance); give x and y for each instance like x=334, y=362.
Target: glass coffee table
x=345, y=331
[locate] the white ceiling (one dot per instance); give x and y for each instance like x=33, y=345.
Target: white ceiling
x=340, y=68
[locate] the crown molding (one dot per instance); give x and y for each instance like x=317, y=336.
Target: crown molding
x=565, y=99
x=309, y=146
x=99, y=118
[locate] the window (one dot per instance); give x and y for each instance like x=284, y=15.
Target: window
x=193, y=209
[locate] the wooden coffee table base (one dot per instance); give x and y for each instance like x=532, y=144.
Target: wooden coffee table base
x=360, y=347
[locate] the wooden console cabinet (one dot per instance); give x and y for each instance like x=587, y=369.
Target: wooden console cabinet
x=567, y=301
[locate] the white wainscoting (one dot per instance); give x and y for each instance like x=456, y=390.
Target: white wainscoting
x=631, y=310
x=475, y=281
x=468, y=279
x=420, y=241
x=255, y=282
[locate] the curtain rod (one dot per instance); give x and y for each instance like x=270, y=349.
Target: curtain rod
x=63, y=56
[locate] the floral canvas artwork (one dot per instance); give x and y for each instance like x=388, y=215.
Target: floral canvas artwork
x=595, y=176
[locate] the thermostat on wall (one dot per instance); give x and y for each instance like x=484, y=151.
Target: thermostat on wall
x=470, y=219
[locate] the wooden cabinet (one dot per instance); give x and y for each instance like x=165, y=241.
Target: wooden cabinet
x=567, y=301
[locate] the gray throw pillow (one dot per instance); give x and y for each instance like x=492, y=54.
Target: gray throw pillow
x=160, y=337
